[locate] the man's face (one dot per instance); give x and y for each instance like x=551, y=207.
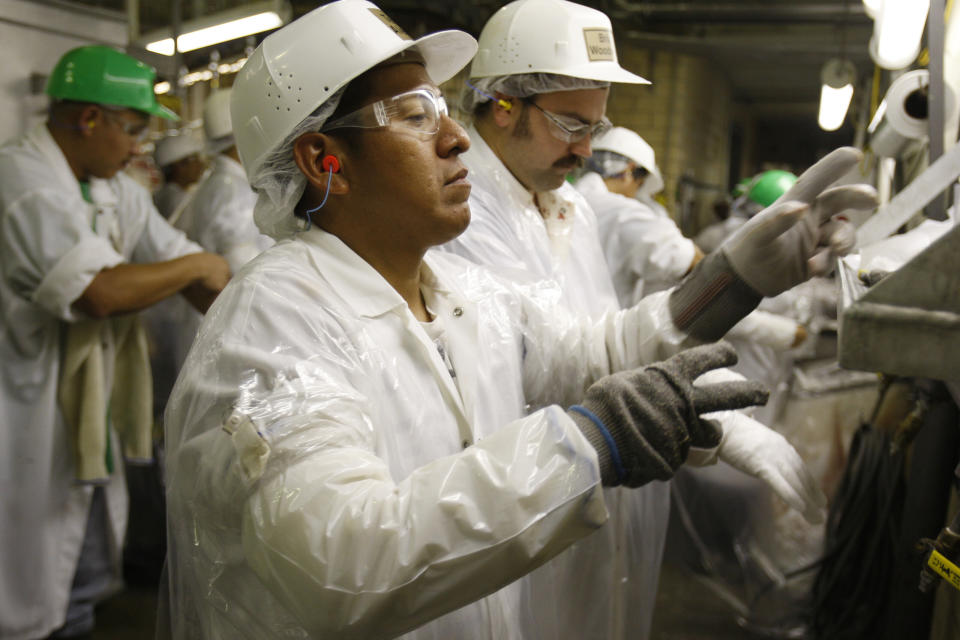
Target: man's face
x=533, y=153
x=410, y=188
x=115, y=139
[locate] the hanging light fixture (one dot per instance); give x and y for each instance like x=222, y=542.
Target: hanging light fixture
x=872, y=7
x=897, y=31
x=220, y=27
x=837, y=79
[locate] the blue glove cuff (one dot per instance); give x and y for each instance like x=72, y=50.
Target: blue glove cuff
x=611, y=445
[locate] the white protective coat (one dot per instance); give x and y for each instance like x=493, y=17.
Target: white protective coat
x=616, y=570
x=645, y=250
x=52, y=245
x=220, y=215
x=365, y=491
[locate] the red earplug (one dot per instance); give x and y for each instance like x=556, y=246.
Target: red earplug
x=330, y=163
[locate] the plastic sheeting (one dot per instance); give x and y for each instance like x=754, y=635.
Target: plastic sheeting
x=331, y=473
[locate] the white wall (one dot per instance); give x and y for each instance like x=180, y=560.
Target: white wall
x=33, y=36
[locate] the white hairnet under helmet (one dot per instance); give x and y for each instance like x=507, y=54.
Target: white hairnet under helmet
x=176, y=147
x=216, y=121
x=630, y=145
x=293, y=82
x=540, y=46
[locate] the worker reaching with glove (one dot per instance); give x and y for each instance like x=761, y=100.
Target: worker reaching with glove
x=371, y=439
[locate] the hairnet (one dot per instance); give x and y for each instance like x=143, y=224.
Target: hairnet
x=607, y=163
x=279, y=183
x=522, y=85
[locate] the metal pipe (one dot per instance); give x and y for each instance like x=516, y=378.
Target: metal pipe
x=936, y=210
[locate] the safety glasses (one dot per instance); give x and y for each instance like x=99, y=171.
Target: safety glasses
x=417, y=112
x=570, y=129
x=136, y=130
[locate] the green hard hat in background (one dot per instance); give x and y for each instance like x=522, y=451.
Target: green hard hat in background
x=103, y=75
x=741, y=187
x=770, y=185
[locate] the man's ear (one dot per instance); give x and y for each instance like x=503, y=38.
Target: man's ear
x=89, y=118
x=309, y=151
x=503, y=108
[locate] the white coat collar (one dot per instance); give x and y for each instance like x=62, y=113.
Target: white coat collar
x=363, y=288
x=60, y=169
x=482, y=161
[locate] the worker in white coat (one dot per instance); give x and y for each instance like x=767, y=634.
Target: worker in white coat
x=81, y=248
x=534, y=114
x=645, y=250
x=220, y=215
x=180, y=157
x=369, y=439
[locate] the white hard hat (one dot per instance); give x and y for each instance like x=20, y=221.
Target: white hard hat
x=299, y=67
x=176, y=147
x=550, y=36
x=630, y=145
x=216, y=120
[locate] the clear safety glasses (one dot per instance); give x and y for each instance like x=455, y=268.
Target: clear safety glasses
x=417, y=111
x=137, y=130
x=569, y=129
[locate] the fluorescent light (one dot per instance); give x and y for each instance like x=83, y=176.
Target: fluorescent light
x=161, y=87
x=897, y=32
x=835, y=93
x=833, y=106
x=218, y=33
x=872, y=7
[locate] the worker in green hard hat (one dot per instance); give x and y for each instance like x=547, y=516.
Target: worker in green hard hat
x=767, y=187
x=81, y=249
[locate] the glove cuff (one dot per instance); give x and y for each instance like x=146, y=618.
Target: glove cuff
x=596, y=433
x=711, y=299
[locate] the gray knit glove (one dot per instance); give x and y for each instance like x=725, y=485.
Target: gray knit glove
x=643, y=422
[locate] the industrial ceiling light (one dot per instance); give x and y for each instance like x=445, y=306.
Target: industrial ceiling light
x=897, y=30
x=220, y=27
x=872, y=7
x=835, y=93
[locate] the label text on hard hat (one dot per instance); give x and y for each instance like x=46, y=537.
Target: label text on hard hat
x=599, y=44
x=390, y=23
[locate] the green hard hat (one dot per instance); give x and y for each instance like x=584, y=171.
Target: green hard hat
x=770, y=185
x=103, y=75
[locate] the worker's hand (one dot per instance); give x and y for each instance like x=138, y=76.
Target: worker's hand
x=753, y=448
x=213, y=271
x=799, y=236
x=643, y=422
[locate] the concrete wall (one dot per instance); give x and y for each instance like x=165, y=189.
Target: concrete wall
x=33, y=36
x=686, y=115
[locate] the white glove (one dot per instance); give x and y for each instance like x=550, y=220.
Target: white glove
x=797, y=236
x=757, y=450
x=761, y=452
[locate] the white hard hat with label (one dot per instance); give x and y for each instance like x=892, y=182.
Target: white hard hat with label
x=299, y=67
x=216, y=120
x=176, y=147
x=550, y=36
x=630, y=145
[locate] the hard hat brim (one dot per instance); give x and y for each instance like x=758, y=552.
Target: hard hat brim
x=445, y=53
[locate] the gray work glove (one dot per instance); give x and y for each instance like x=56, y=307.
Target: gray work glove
x=790, y=241
x=643, y=422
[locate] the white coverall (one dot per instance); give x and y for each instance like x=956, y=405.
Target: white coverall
x=371, y=484
x=219, y=216
x=507, y=232
x=645, y=250
x=52, y=244
x=168, y=197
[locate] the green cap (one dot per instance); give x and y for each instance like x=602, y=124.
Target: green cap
x=741, y=187
x=103, y=75
x=770, y=185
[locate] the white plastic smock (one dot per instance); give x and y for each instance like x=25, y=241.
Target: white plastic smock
x=52, y=244
x=219, y=216
x=645, y=250
x=329, y=473
x=168, y=197
x=617, y=570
